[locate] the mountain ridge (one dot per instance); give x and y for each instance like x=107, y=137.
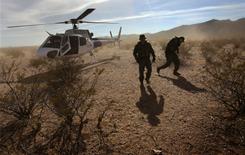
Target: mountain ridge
x=211, y=29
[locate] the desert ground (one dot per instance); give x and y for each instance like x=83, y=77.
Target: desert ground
x=174, y=115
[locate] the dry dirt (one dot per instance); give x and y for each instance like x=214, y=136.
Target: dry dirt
x=172, y=114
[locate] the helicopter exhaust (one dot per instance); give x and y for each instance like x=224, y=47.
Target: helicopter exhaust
x=49, y=33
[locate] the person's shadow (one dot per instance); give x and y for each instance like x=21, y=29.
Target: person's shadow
x=150, y=105
x=184, y=84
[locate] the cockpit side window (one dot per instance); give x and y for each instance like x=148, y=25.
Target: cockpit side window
x=64, y=40
x=53, y=42
x=82, y=41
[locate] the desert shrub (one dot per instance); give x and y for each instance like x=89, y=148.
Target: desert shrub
x=9, y=71
x=22, y=104
x=209, y=51
x=38, y=63
x=239, y=43
x=226, y=78
x=70, y=97
x=47, y=117
x=13, y=53
x=184, y=53
x=127, y=45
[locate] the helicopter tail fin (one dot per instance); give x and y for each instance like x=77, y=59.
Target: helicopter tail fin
x=119, y=36
x=118, y=39
x=112, y=37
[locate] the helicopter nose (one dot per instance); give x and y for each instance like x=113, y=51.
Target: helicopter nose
x=42, y=52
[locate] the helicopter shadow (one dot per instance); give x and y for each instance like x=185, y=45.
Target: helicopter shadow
x=46, y=76
x=184, y=84
x=149, y=104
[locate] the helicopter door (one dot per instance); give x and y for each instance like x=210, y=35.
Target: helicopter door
x=65, y=46
x=85, y=45
x=74, y=42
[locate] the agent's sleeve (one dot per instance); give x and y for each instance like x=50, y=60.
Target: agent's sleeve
x=135, y=53
x=177, y=50
x=152, y=51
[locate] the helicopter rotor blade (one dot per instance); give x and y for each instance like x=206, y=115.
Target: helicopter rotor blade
x=96, y=22
x=71, y=21
x=15, y=26
x=85, y=13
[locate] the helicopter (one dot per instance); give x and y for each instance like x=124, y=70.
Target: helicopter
x=74, y=41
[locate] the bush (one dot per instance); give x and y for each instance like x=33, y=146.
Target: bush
x=23, y=104
x=226, y=78
x=47, y=117
x=38, y=63
x=184, y=53
x=209, y=51
x=9, y=71
x=127, y=46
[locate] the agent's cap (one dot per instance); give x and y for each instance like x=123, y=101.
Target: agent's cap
x=142, y=37
x=182, y=38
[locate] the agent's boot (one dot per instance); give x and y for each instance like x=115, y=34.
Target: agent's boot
x=148, y=81
x=141, y=82
x=176, y=73
x=158, y=70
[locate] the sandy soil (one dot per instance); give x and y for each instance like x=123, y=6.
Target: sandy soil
x=171, y=114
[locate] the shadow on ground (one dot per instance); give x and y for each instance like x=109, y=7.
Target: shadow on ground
x=42, y=77
x=184, y=84
x=150, y=105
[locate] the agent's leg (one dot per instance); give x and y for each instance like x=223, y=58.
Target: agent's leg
x=167, y=64
x=141, y=72
x=148, y=73
x=176, y=65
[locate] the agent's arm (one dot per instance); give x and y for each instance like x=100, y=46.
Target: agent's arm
x=152, y=53
x=177, y=50
x=135, y=53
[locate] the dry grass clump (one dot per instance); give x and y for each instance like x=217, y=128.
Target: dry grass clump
x=13, y=52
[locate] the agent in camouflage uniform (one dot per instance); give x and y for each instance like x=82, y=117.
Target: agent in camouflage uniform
x=171, y=52
x=142, y=52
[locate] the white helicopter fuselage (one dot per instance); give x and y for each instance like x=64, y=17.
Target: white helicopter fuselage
x=73, y=42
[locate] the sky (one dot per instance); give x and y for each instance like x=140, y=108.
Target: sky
x=135, y=16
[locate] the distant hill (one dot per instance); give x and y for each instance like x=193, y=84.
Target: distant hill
x=212, y=29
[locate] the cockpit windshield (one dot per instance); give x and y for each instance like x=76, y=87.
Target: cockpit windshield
x=53, y=42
